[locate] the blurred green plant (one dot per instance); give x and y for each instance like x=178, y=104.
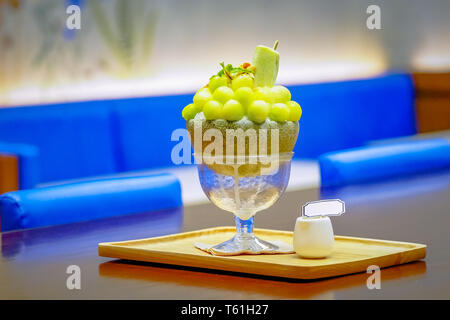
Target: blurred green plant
x=129, y=34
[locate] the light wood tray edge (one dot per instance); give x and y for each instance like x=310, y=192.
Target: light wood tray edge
x=119, y=250
x=188, y=234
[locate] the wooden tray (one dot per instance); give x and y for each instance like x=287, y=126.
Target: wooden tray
x=350, y=254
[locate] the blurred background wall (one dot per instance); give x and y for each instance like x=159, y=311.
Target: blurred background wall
x=152, y=47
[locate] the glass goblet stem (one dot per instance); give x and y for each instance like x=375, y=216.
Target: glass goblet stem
x=244, y=228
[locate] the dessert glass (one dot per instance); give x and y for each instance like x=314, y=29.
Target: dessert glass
x=245, y=185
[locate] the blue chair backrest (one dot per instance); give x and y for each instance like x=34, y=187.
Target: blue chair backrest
x=74, y=139
x=143, y=130
x=348, y=114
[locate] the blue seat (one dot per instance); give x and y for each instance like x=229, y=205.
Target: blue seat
x=376, y=162
x=88, y=201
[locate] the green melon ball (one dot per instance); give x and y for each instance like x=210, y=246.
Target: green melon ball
x=216, y=82
x=244, y=95
x=223, y=94
x=295, y=111
x=202, y=96
x=279, y=112
x=189, y=111
x=258, y=111
x=263, y=93
x=213, y=110
x=243, y=80
x=233, y=110
x=280, y=94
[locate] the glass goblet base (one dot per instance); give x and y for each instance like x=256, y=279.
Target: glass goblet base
x=245, y=241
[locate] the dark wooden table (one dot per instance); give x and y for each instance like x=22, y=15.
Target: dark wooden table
x=33, y=262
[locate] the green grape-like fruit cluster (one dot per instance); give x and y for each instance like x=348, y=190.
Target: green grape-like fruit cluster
x=232, y=99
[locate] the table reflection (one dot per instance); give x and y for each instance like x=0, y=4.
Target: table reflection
x=58, y=240
x=272, y=287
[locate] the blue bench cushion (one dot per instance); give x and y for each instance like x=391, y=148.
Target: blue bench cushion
x=88, y=201
x=347, y=114
x=143, y=130
x=401, y=189
x=383, y=161
x=74, y=139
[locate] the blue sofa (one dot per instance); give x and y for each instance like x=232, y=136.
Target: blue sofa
x=68, y=141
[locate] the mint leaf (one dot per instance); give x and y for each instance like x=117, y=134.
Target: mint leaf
x=228, y=70
x=241, y=70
